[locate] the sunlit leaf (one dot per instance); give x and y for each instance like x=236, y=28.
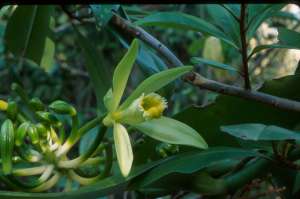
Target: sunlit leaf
x=172, y=131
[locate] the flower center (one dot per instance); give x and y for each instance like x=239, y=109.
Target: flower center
x=152, y=105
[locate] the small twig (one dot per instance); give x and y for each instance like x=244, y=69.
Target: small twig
x=193, y=78
x=140, y=33
x=278, y=102
x=247, y=84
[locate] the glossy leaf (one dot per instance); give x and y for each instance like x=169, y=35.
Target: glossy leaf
x=155, y=82
x=103, y=13
x=256, y=132
x=99, y=75
x=229, y=110
x=197, y=60
x=172, y=131
x=221, y=17
x=123, y=149
x=28, y=34
x=258, y=13
x=183, y=22
x=122, y=72
x=191, y=162
x=289, y=39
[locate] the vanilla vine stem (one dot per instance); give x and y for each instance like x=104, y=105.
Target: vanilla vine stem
x=138, y=32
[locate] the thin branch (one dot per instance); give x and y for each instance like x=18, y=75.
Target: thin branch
x=140, y=33
x=195, y=79
x=278, y=102
x=247, y=84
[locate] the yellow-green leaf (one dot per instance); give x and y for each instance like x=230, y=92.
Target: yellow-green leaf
x=172, y=131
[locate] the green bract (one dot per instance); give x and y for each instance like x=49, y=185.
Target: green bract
x=143, y=110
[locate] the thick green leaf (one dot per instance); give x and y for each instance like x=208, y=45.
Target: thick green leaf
x=258, y=132
x=122, y=72
x=100, y=77
x=197, y=60
x=229, y=110
x=104, y=187
x=155, y=82
x=258, y=13
x=287, y=15
x=103, y=13
x=183, y=22
x=225, y=21
x=172, y=131
x=289, y=37
x=28, y=33
x=191, y=162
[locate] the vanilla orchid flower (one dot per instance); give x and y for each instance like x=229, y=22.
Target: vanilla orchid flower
x=143, y=110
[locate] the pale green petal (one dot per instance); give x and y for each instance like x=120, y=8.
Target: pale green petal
x=172, y=131
x=123, y=148
x=155, y=82
x=108, y=100
x=122, y=72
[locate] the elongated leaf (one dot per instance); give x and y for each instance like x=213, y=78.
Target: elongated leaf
x=229, y=110
x=287, y=39
x=197, y=60
x=257, y=14
x=172, y=131
x=183, y=22
x=123, y=149
x=103, y=12
x=99, y=75
x=225, y=21
x=256, y=132
x=122, y=72
x=28, y=33
x=155, y=82
x=190, y=162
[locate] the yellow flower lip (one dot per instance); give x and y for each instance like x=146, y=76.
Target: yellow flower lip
x=152, y=105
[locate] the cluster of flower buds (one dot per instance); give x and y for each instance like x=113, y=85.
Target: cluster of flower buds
x=33, y=143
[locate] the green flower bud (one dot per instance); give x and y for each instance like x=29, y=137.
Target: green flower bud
x=21, y=133
x=12, y=110
x=37, y=104
x=33, y=134
x=47, y=117
x=63, y=107
x=41, y=129
x=7, y=145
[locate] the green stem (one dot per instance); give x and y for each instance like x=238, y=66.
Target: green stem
x=77, y=161
x=73, y=138
x=237, y=180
